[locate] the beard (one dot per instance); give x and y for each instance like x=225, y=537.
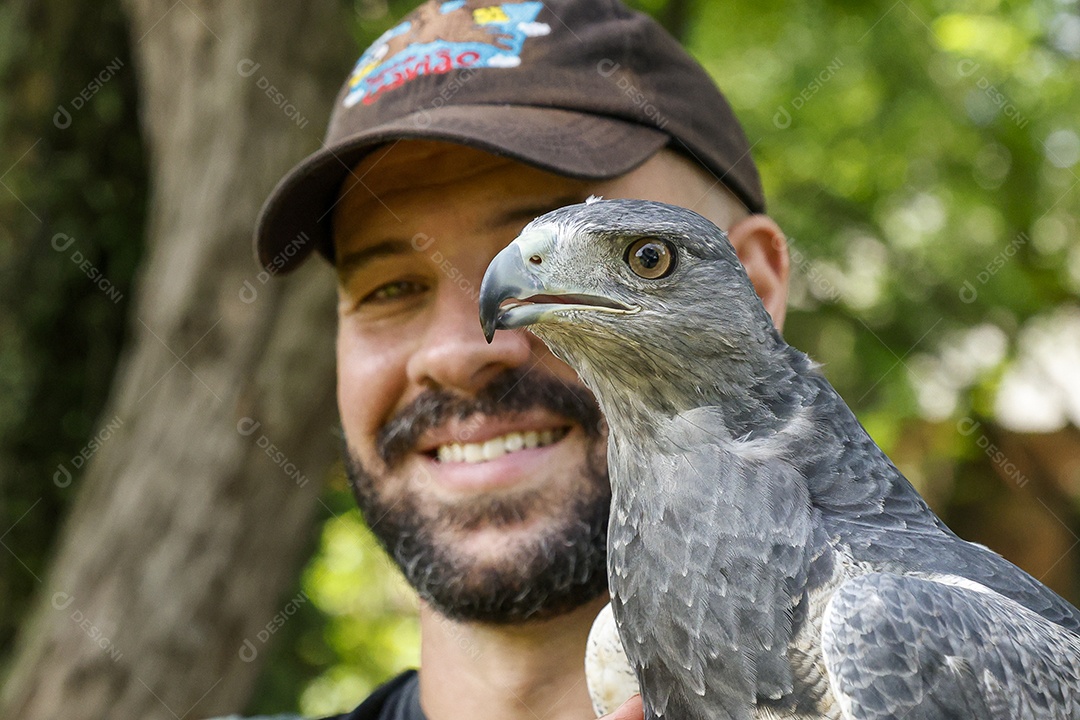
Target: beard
x=558, y=567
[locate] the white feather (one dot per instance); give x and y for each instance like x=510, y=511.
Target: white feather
x=608, y=675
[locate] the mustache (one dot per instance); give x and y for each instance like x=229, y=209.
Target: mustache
x=515, y=390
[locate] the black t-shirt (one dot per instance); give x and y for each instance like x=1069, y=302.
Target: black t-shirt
x=398, y=699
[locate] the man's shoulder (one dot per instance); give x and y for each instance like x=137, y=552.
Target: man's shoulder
x=370, y=709
x=376, y=703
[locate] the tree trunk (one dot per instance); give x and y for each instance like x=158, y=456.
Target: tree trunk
x=190, y=519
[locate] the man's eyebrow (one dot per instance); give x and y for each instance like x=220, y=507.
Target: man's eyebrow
x=521, y=215
x=350, y=262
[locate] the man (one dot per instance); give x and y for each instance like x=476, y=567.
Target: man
x=481, y=468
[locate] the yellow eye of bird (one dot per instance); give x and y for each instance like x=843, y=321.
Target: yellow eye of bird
x=650, y=258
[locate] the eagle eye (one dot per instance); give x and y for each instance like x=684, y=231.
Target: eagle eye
x=650, y=258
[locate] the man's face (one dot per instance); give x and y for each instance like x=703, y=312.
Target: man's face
x=481, y=468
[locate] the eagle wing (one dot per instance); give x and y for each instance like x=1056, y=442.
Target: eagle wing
x=936, y=647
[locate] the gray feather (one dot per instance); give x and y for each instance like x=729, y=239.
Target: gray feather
x=917, y=648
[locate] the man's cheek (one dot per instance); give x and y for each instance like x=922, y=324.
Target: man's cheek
x=354, y=425
x=366, y=393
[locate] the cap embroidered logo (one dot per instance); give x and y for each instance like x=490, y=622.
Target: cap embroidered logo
x=444, y=36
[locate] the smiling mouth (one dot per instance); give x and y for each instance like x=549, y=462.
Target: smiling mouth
x=496, y=447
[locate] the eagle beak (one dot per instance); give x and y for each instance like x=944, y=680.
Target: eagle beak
x=518, y=272
x=508, y=277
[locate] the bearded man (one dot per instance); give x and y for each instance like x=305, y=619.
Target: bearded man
x=482, y=468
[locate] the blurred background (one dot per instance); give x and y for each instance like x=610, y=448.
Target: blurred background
x=177, y=538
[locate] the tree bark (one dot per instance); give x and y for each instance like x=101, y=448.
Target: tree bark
x=190, y=519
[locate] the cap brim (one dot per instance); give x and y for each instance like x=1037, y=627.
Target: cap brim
x=295, y=219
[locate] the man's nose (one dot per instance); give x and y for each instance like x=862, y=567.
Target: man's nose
x=454, y=354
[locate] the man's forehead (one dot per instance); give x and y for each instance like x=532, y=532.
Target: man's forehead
x=398, y=181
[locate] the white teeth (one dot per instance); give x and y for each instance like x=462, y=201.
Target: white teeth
x=498, y=446
x=494, y=448
x=514, y=442
x=473, y=453
x=451, y=453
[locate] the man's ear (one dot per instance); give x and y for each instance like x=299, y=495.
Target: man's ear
x=762, y=247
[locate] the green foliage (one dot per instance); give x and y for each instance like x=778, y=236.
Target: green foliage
x=904, y=149
x=79, y=177
x=371, y=610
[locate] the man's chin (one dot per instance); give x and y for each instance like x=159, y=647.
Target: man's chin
x=514, y=573
x=501, y=558
x=503, y=549
x=513, y=510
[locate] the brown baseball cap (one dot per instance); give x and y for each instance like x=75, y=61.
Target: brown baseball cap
x=583, y=88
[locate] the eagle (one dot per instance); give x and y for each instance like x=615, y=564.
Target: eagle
x=766, y=559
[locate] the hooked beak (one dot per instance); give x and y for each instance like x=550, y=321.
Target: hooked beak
x=517, y=273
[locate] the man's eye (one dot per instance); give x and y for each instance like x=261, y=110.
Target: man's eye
x=394, y=290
